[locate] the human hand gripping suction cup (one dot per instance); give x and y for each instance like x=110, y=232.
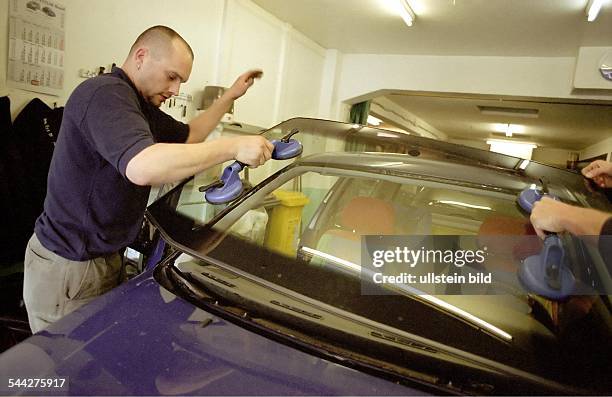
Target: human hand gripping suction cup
x=548, y=273
x=229, y=186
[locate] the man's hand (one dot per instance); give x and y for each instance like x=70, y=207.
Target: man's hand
x=600, y=171
x=548, y=215
x=252, y=150
x=243, y=83
x=554, y=216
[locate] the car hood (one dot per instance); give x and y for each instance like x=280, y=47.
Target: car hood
x=140, y=339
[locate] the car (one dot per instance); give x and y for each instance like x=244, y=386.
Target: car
x=277, y=292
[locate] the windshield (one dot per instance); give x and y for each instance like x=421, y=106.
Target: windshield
x=296, y=243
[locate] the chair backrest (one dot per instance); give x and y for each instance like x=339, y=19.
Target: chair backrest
x=368, y=215
x=508, y=240
x=360, y=216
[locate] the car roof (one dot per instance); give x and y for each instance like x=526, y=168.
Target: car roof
x=472, y=164
x=423, y=167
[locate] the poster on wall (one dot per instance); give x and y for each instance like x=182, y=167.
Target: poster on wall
x=36, y=46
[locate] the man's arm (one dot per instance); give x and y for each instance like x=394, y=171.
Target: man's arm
x=554, y=216
x=201, y=126
x=170, y=162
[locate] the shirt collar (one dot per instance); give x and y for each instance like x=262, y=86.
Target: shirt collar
x=120, y=73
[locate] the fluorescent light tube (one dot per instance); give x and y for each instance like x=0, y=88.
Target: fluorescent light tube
x=592, y=10
x=374, y=120
x=406, y=12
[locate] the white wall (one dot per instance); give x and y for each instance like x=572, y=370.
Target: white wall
x=515, y=76
x=303, y=74
x=100, y=33
x=603, y=147
x=227, y=36
x=293, y=65
x=551, y=156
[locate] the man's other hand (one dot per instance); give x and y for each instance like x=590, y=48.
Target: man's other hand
x=243, y=83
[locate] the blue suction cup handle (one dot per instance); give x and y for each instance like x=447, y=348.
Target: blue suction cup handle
x=230, y=188
x=552, y=259
x=546, y=273
x=284, y=150
x=528, y=197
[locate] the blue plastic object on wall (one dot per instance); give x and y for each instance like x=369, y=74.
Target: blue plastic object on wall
x=230, y=186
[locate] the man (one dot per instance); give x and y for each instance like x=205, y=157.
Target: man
x=555, y=216
x=114, y=144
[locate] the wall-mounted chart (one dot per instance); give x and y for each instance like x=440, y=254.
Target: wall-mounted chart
x=36, y=45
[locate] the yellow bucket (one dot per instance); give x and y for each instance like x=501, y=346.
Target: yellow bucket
x=284, y=223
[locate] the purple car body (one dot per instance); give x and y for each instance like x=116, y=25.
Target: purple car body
x=139, y=339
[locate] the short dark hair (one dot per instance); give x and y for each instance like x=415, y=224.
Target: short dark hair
x=159, y=33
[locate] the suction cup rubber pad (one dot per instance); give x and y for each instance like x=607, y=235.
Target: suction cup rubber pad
x=535, y=278
x=286, y=150
x=232, y=185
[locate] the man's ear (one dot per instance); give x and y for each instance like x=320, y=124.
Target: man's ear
x=139, y=56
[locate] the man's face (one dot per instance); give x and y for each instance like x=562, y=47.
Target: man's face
x=163, y=71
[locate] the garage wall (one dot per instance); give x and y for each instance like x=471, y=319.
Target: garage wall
x=551, y=156
x=228, y=37
x=544, y=77
x=100, y=33
x=516, y=76
x=293, y=65
x=303, y=74
x=603, y=147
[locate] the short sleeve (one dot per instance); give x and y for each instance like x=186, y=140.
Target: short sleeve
x=115, y=125
x=165, y=128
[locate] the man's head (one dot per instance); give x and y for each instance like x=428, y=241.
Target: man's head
x=158, y=62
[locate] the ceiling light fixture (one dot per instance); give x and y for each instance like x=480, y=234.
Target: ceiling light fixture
x=374, y=120
x=509, y=129
x=512, y=148
x=406, y=12
x=592, y=9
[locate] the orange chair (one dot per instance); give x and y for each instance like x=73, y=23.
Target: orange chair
x=360, y=216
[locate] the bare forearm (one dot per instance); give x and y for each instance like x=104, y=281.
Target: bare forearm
x=201, y=126
x=583, y=221
x=167, y=162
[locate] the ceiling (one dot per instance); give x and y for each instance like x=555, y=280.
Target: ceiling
x=558, y=124
x=542, y=28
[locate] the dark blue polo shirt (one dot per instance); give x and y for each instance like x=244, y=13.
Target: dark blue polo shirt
x=91, y=208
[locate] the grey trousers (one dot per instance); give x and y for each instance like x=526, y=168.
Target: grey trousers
x=54, y=286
